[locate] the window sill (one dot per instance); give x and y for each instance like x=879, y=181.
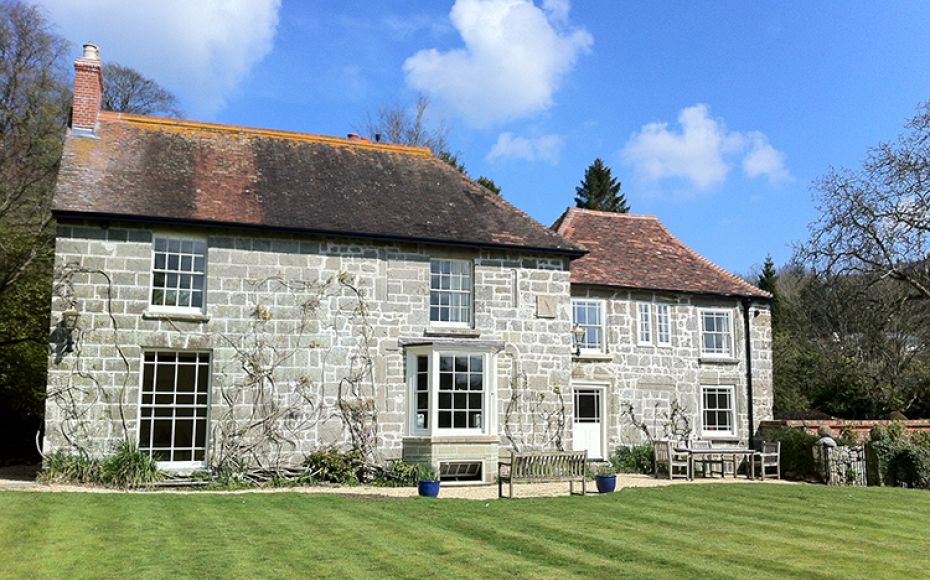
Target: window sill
x=717, y=437
x=593, y=356
x=447, y=331
x=723, y=360
x=486, y=439
x=175, y=316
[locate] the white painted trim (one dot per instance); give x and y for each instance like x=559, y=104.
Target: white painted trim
x=730, y=334
x=602, y=310
x=668, y=312
x=642, y=306
x=604, y=388
x=178, y=466
x=489, y=402
x=719, y=435
x=202, y=310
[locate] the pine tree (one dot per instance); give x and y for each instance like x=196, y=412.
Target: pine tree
x=601, y=191
x=768, y=281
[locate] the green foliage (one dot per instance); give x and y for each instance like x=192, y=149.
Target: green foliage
x=62, y=467
x=333, y=465
x=605, y=470
x=402, y=474
x=638, y=459
x=600, y=190
x=897, y=459
x=126, y=468
x=129, y=467
x=797, y=457
x=489, y=184
x=33, y=118
x=768, y=281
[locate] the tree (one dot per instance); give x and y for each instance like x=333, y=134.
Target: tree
x=409, y=126
x=601, y=191
x=489, y=184
x=398, y=124
x=34, y=105
x=768, y=281
x=126, y=91
x=875, y=221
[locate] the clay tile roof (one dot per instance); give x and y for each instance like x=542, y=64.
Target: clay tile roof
x=165, y=170
x=637, y=251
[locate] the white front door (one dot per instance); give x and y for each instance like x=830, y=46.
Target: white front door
x=587, y=429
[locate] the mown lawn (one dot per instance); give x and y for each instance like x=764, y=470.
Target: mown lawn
x=700, y=530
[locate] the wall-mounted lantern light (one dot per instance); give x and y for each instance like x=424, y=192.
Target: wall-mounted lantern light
x=578, y=337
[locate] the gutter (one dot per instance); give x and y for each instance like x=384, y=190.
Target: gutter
x=747, y=303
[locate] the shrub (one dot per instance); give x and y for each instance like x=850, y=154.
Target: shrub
x=62, y=467
x=402, y=474
x=797, y=458
x=898, y=460
x=129, y=467
x=637, y=459
x=336, y=466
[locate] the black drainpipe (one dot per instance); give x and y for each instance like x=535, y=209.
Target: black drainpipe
x=747, y=302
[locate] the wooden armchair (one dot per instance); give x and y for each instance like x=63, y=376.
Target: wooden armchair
x=676, y=464
x=769, y=459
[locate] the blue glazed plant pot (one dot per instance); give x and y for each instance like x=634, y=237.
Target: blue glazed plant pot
x=606, y=483
x=428, y=488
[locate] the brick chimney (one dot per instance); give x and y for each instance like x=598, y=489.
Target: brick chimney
x=88, y=91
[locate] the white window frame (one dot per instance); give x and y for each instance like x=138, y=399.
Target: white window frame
x=145, y=448
x=716, y=433
x=644, y=323
x=728, y=343
x=470, y=292
x=663, y=311
x=172, y=309
x=601, y=305
x=489, y=401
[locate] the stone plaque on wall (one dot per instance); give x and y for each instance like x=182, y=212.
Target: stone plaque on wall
x=546, y=306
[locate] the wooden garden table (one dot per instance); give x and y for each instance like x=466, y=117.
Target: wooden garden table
x=731, y=452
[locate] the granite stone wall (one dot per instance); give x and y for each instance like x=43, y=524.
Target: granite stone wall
x=301, y=331
x=659, y=387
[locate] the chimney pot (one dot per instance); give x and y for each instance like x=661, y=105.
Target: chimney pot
x=91, y=52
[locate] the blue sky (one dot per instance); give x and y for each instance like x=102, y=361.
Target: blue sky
x=717, y=117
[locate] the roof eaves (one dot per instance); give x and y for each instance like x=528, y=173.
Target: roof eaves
x=571, y=253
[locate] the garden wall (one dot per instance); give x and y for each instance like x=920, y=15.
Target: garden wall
x=861, y=427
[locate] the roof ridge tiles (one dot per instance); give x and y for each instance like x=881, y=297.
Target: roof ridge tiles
x=164, y=122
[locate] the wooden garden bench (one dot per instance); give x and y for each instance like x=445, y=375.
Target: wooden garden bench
x=543, y=467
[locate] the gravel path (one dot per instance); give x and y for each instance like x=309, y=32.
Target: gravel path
x=21, y=478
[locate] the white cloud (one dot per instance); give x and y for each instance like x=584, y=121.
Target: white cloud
x=701, y=152
x=763, y=159
x=544, y=148
x=199, y=50
x=511, y=65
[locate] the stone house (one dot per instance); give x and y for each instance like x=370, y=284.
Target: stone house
x=671, y=345
x=235, y=297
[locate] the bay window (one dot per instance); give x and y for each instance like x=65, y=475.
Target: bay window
x=452, y=391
